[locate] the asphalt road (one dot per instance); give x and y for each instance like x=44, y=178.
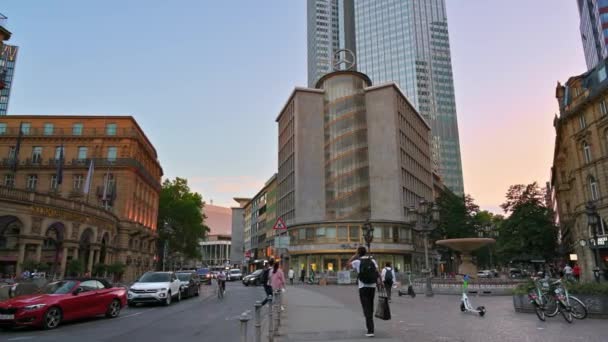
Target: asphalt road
x=203, y=318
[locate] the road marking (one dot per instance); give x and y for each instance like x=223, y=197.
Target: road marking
x=21, y=338
x=131, y=315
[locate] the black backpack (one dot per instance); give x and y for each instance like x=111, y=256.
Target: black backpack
x=368, y=273
x=264, y=277
x=388, y=276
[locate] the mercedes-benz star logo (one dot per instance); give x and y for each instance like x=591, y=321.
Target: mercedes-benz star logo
x=344, y=59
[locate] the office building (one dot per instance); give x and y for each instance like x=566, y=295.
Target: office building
x=8, y=58
x=405, y=42
x=77, y=188
x=593, y=16
x=216, y=249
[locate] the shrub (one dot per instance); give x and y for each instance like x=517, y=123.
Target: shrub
x=99, y=270
x=75, y=267
x=588, y=288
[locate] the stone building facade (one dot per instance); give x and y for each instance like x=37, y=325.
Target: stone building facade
x=50, y=214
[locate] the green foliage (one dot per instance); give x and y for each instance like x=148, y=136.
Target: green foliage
x=180, y=218
x=524, y=288
x=75, y=268
x=99, y=270
x=116, y=268
x=455, y=216
x=600, y=289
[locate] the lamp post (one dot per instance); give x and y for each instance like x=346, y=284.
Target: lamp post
x=424, y=220
x=368, y=234
x=593, y=219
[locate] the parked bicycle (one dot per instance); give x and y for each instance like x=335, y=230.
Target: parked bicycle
x=550, y=298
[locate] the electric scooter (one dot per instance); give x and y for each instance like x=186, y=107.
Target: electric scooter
x=410, y=289
x=465, y=304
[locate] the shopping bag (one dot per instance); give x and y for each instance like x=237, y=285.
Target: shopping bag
x=383, y=311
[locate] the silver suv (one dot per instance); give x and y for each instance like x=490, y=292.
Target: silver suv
x=234, y=274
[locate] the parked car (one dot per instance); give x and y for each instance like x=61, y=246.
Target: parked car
x=517, y=273
x=155, y=287
x=234, y=274
x=204, y=275
x=65, y=300
x=189, y=284
x=253, y=278
x=484, y=274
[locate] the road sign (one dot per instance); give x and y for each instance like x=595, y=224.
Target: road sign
x=280, y=225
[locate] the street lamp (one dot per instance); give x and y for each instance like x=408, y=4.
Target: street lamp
x=424, y=220
x=368, y=234
x=593, y=220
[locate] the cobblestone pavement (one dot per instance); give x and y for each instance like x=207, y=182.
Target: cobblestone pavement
x=439, y=318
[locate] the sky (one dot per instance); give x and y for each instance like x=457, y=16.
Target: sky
x=206, y=80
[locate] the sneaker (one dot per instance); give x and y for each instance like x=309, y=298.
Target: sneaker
x=369, y=335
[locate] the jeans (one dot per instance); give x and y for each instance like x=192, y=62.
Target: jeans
x=291, y=281
x=366, y=295
x=268, y=291
x=388, y=286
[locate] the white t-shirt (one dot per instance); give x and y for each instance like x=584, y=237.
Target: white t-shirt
x=356, y=264
x=290, y=274
x=388, y=269
x=568, y=269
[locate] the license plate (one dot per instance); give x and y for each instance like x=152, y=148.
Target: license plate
x=5, y=317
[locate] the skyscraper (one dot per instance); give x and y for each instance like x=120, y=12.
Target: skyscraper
x=8, y=57
x=593, y=15
x=404, y=41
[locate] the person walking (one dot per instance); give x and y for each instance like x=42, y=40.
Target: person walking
x=265, y=280
x=568, y=272
x=368, y=278
x=576, y=272
x=302, y=276
x=388, y=278
x=277, y=279
x=290, y=274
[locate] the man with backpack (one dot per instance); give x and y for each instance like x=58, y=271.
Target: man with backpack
x=368, y=278
x=265, y=280
x=388, y=278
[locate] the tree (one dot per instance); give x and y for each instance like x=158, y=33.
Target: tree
x=180, y=219
x=529, y=232
x=75, y=268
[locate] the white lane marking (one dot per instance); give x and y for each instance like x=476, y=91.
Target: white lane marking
x=131, y=315
x=21, y=338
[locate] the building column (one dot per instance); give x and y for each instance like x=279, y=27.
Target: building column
x=38, y=252
x=90, y=261
x=64, y=260
x=20, y=259
x=97, y=256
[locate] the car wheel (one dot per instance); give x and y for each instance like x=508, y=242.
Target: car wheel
x=113, y=309
x=167, y=301
x=179, y=296
x=52, y=318
x=197, y=292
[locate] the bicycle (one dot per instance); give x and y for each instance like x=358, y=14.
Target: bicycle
x=537, y=298
x=561, y=301
x=221, y=288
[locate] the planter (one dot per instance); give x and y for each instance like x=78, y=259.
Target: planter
x=597, y=305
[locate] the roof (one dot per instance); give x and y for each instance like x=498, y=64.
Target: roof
x=218, y=219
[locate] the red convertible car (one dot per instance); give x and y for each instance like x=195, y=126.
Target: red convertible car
x=64, y=300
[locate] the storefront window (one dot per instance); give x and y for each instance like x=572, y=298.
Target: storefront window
x=354, y=233
x=330, y=263
x=342, y=233
x=344, y=263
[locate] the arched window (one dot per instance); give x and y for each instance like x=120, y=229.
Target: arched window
x=587, y=152
x=593, y=187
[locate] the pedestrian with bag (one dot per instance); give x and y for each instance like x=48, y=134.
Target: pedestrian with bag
x=291, y=274
x=302, y=276
x=368, y=278
x=265, y=279
x=388, y=278
x=277, y=279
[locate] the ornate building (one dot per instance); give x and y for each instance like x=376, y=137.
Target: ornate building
x=580, y=164
x=77, y=188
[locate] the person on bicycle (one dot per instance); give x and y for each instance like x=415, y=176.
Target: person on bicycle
x=221, y=280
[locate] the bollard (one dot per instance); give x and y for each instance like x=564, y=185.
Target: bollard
x=258, y=322
x=244, y=319
x=270, y=321
x=277, y=311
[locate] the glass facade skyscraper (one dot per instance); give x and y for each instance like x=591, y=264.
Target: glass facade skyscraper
x=593, y=18
x=402, y=41
x=8, y=57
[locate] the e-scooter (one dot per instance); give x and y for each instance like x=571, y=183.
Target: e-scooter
x=465, y=304
x=410, y=288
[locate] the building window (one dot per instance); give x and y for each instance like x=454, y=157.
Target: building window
x=595, y=193
x=111, y=129
x=59, y=152
x=36, y=154
x=9, y=180
x=112, y=153
x=78, y=182
x=54, y=184
x=582, y=122
x=11, y=152
x=2, y=128
x=587, y=152
x=82, y=152
x=77, y=129
x=25, y=128
x=603, y=107
x=32, y=180
x=48, y=129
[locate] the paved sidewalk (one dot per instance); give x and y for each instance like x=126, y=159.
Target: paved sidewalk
x=312, y=316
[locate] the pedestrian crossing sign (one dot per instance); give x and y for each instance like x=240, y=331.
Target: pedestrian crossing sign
x=280, y=225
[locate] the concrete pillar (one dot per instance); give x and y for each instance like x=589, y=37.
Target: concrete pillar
x=38, y=252
x=97, y=256
x=89, y=267
x=20, y=259
x=64, y=260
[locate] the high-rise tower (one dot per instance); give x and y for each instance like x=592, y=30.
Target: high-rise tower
x=8, y=57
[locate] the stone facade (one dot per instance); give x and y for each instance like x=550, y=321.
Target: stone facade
x=111, y=221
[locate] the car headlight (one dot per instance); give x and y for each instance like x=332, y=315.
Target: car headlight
x=163, y=289
x=33, y=307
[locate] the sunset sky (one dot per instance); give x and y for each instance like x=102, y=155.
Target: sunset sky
x=205, y=80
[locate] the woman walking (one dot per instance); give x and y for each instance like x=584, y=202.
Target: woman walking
x=277, y=279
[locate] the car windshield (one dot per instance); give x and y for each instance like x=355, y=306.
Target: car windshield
x=257, y=272
x=183, y=276
x=155, y=278
x=235, y=271
x=59, y=287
